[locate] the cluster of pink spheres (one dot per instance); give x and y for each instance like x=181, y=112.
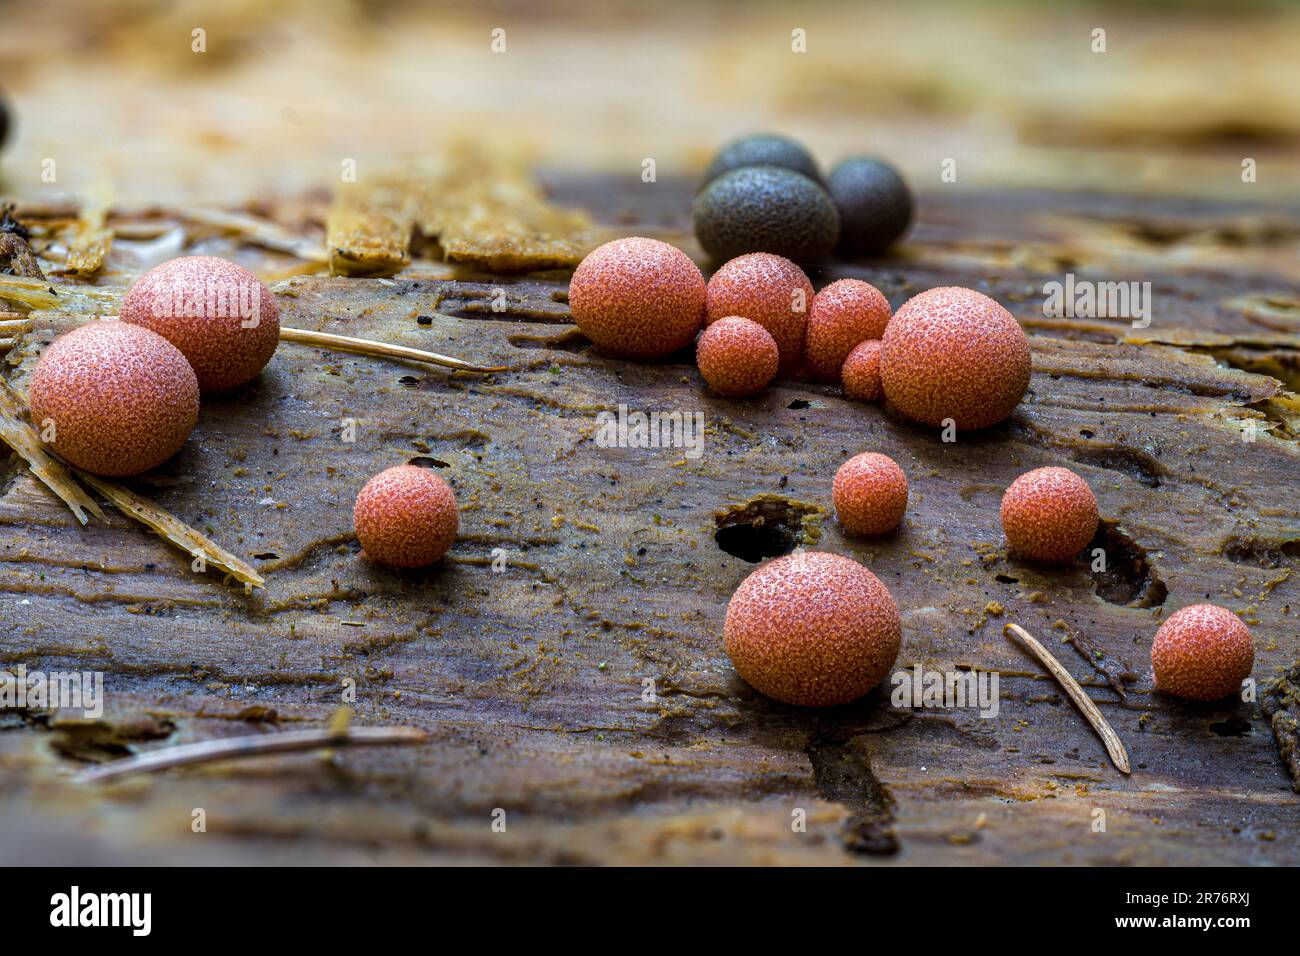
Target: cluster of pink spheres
x=121, y=397
x=813, y=628
x=118, y=398
x=950, y=355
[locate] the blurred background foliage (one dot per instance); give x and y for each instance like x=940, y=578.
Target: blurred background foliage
x=1015, y=92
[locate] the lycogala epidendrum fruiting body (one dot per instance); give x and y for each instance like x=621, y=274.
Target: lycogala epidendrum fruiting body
x=221, y=316
x=860, y=373
x=765, y=209
x=954, y=355
x=869, y=494
x=1049, y=515
x=874, y=204
x=769, y=290
x=844, y=314
x=113, y=399
x=1202, y=652
x=737, y=357
x=762, y=149
x=637, y=298
x=406, y=517
x=813, y=629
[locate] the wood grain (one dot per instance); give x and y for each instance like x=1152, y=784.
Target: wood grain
x=582, y=687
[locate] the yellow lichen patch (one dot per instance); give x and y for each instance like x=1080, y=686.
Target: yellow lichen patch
x=492, y=213
x=484, y=209
x=369, y=229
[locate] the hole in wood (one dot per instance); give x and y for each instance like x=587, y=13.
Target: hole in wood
x=767, y=526
x=1129, y=578
x=1232, y=727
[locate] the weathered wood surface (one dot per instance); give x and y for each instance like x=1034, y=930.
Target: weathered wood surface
x=531, y=680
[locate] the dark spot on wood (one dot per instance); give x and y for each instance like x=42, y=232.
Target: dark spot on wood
x=1128, y=578
x=570, y=340
x=1261, y=554
x=1232, y=727
x=1133, y=462
x=766, y=527
x=842, y=771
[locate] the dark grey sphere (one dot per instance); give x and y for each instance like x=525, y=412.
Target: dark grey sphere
x=874, y=204
x=762, y=149
x=765, y=209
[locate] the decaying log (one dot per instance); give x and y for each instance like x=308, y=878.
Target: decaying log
x=566, y=658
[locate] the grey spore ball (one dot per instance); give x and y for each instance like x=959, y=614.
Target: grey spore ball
x=874, y=203
x=762, y=149
x=765, y=209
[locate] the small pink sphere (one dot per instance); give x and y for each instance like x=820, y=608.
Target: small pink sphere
x=767, y=289
x=861, y=373
x=1202, y=652
x=406, y=517
x=737, y=357
x=869, y=494
x=843, y=314
x=637, y=298
x=1049, y=515
x=222, y=317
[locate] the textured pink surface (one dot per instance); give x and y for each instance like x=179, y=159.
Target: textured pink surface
x=221, y=316
x=1202, y=652
x=861, y=373
x=1049, y=514
x=870, y=494
x=843, y=314
x=769, y=290
x=954, y=353
x=121, y=398
x=737, y=357
x=406, y=517
x=813, y=629
x=637, y=298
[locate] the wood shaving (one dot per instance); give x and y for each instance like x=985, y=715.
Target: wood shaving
x=19, y=435
x=172, y=529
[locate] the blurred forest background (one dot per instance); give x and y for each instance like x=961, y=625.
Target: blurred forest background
x=1016, y=93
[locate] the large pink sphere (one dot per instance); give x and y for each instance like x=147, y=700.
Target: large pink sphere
x=637, y=298
x=115, y=399
x=954, y=354
x=813, y=629
x=222, y=317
